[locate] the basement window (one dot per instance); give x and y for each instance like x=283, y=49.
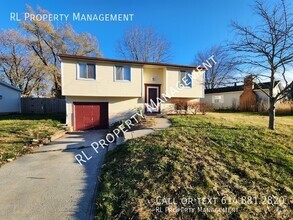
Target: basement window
x=86, y=71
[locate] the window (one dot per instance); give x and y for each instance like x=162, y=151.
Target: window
x=185, y=79
x=218, y=99
x=122, y=73
x=86, y=71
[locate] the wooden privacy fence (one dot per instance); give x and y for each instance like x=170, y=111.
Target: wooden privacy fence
x=42, y=105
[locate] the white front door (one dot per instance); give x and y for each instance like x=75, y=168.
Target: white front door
x=152, y=95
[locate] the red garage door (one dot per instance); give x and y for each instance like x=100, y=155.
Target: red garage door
x=90, y=115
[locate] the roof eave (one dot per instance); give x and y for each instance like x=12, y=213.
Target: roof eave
x=97, y=59
x=10, y=86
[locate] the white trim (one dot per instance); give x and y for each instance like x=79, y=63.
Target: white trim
x=62, y=79
x=221, y=99
x=166, y=81
x=78, y=71
x=117, y=80
x=203, y=83
x=179, y=79
x=147, y=90
x=141, y=82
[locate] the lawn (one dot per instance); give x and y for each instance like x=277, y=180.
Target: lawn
x=217, y=166
x=16, y=131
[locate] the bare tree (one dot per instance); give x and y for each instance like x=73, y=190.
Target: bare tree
x=223, y=72
x=48, y=41
x=19, y=65
x=143, y=44
x=269, y=48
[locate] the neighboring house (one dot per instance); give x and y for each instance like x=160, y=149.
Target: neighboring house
x=101, y=91
x=247, y=97
x=10, y=101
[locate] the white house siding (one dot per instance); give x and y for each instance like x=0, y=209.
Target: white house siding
x=229, y=99
x=9, y=100
x=262, y=96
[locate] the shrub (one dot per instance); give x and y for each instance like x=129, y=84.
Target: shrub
x=285, y=108
x=180, y=105
x=195, y=107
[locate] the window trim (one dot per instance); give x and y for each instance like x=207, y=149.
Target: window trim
x=180, y=79
x=121, y=80
x=78, y=71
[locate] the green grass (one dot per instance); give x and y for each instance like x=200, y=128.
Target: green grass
x=17, y=130
x=221, y=155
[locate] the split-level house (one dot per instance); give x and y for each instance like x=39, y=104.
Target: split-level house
x=101, y=91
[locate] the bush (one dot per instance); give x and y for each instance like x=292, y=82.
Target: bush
x=285, y=108
x=180, y=105
x=195, y=107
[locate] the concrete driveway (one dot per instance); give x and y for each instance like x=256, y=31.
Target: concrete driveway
x=50, y=184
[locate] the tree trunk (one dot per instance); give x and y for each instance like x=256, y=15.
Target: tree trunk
x=272, y=111
x=272, y=100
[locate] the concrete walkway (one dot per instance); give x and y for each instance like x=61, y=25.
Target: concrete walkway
x=50, y=184
x=160, y=124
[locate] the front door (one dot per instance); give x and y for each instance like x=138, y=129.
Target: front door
x=152, y=95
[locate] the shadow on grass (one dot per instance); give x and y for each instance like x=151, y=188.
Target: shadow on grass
x=61, y=117
x=278, y=114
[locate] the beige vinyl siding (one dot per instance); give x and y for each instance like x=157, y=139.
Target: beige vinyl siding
x=104, y=84
x=119, y=107
x=154, y=75
x=124, y=97
x=196, y=91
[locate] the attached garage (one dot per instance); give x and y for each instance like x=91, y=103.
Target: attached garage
x=90, y=115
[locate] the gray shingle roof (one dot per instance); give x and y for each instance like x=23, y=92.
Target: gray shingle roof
x=265, y=85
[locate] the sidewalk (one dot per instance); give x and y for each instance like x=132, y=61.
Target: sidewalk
x=160, y=124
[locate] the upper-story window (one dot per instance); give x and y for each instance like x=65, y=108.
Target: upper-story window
x=122, y=73
x=185, y=79
x=86, y=71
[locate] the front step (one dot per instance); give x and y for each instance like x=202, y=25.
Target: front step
x=154, y=115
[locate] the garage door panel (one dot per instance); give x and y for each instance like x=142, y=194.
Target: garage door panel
x=97, y=114
x=92, y=115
